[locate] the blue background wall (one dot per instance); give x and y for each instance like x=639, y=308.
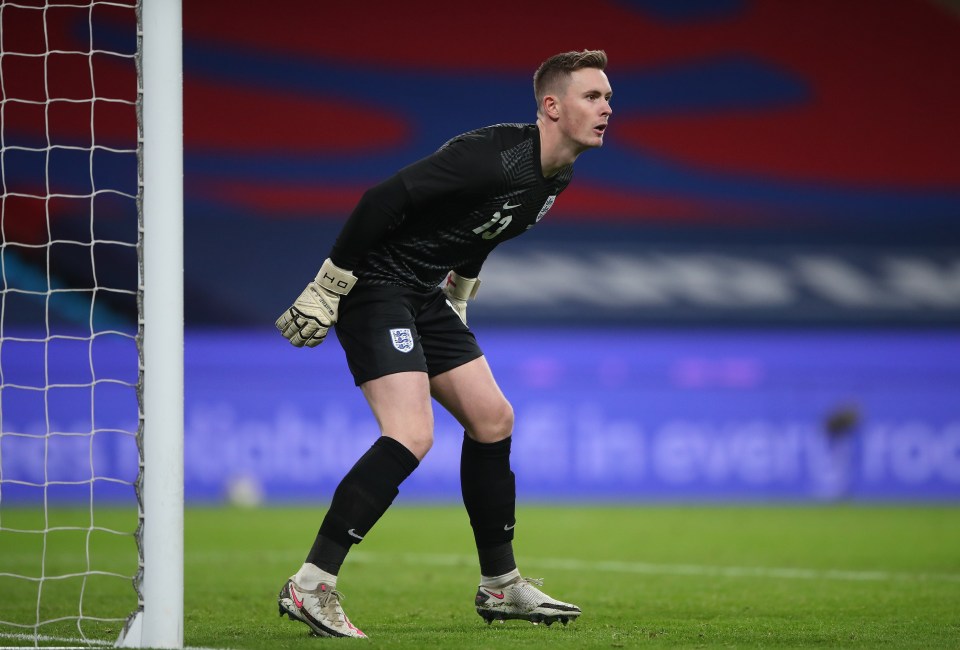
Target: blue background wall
x=611, y=414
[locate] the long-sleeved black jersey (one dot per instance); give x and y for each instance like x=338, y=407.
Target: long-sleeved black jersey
x=450, y=209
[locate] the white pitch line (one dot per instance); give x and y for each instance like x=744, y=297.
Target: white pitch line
x=647, y=568
x=43, y=638
x=88, y=643
x=606, y=566
x=560, y=564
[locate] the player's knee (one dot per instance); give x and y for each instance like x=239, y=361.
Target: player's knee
x=496, y=426
x=418, y=442
x=506, y=422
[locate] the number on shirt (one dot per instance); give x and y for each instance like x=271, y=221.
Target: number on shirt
x=496, y=219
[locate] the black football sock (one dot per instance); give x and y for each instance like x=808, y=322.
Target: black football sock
x=490, y=497
x=496, y=560
x=327, y=554
x=360, y=500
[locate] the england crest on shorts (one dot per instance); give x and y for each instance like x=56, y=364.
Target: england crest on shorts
x=402, y=339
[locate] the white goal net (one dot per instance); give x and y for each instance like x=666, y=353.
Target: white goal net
x=70, y=326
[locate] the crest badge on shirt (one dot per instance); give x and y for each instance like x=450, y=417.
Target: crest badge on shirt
x=402, y=339
x=546, y=207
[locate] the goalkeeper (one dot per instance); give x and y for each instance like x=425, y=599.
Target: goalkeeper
x=406, y=338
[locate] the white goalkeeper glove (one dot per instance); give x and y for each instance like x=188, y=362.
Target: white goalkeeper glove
x=459, y=290
x=315, y=311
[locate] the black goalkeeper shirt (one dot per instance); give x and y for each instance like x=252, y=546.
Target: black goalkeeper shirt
x=450, y=209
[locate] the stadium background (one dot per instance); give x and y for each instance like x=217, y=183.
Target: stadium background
x=771, y=232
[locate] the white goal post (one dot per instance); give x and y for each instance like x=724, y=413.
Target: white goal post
x=160, y=624
x=91, y=323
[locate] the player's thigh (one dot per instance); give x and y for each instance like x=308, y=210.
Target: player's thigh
x=401, y=403
x=446, y=342
x=377, y=330
x=471, y=394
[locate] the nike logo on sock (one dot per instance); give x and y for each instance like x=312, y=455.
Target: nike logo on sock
x=510, y=527
x=353, y=533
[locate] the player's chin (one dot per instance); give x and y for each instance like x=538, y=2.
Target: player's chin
x=592, y=141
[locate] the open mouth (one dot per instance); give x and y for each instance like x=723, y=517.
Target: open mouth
x=599, y=129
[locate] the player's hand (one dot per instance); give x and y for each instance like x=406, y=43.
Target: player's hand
x=459, y=290
x=306, y=323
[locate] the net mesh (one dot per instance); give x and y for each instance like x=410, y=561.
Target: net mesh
x=70, y=326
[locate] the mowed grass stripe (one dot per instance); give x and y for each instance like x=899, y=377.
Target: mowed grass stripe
x=609, y=566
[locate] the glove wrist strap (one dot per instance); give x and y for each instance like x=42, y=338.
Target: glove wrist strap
x=461, y=288
x=332, y=278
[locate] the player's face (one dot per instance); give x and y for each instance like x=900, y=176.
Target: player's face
x=585, y=107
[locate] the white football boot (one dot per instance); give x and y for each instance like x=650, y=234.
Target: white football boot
x=522, y=600
x=320, y=609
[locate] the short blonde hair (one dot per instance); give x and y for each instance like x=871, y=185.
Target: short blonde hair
x=552, y=75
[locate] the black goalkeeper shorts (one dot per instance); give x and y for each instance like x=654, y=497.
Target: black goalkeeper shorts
x=386, y=329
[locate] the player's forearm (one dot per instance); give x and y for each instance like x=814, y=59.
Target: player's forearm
x=380, y=210
x=469, y=270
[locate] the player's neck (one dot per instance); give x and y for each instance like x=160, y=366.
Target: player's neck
x=555, y=151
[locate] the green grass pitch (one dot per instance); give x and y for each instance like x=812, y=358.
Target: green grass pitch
x=645, y=576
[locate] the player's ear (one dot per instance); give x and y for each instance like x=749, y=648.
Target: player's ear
x=551, y=107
